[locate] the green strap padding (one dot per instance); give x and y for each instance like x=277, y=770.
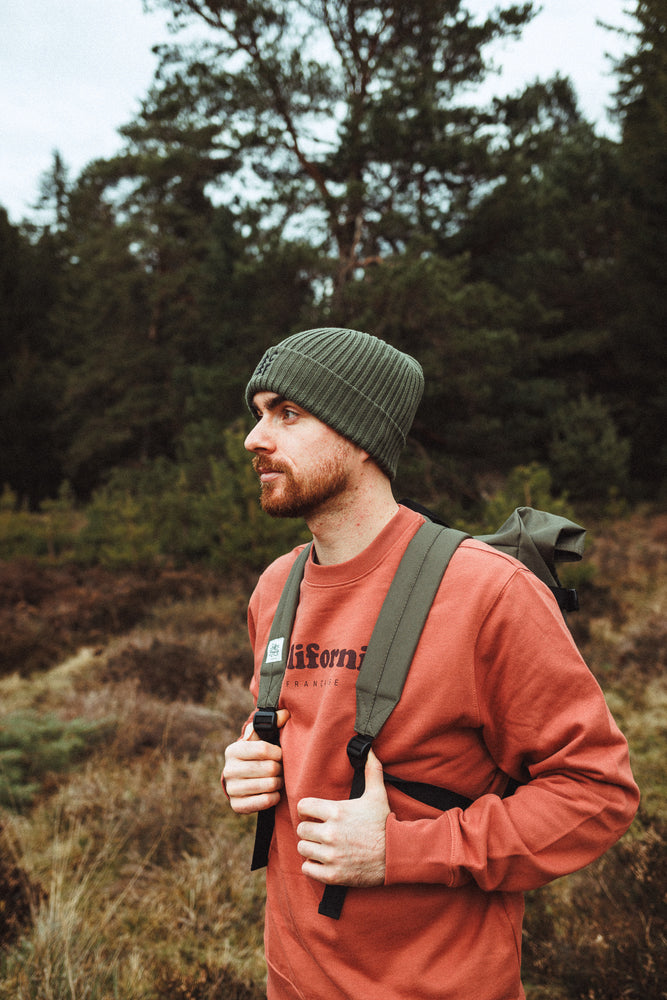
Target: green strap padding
x=277, y=648
x=400, y=623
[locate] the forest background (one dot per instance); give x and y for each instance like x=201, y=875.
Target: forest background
x=308, y=164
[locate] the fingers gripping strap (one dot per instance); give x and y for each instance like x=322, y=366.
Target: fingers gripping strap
x=277, y=648
x=400, y=622
x=358, y=749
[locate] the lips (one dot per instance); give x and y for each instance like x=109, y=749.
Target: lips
x=266, y=471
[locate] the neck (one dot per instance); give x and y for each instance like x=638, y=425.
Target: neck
x=346, y=526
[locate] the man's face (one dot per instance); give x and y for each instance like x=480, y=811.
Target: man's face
x=303, y=464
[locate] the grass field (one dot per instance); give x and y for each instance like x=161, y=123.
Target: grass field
x=123, y=873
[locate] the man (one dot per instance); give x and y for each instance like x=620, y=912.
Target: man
x=496, y=691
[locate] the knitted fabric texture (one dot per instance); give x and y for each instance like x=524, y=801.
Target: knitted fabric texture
x=361, y=386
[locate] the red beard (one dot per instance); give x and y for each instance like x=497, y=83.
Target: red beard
x=292, y=497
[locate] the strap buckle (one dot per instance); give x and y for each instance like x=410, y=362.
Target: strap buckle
x=358, y=749
x=265, y=724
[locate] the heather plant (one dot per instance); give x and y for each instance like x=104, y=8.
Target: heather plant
x=602, y=935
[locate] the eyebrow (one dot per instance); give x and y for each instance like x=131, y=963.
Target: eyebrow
x=272, y=404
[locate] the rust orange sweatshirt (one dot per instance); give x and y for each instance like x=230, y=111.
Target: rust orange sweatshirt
x=497, y=688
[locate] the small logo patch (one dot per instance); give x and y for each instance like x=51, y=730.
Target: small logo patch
x=274, y=650
x=265, y=363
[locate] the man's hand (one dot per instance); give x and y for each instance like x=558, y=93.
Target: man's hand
x=343, y=842
x=253, y=771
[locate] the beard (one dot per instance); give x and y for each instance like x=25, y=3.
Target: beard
x=292, y=497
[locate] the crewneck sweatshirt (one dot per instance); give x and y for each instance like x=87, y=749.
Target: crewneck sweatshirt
x=496, y=689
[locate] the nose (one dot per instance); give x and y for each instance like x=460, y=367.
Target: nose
x=258, y=439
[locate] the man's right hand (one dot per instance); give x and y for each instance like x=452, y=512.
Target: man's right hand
x=253, y=771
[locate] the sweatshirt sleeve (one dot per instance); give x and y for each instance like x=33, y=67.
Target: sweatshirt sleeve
x=545, y=722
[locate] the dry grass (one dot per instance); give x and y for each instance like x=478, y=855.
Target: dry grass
x=142, y=865
x=130, y=873
x=139, y=870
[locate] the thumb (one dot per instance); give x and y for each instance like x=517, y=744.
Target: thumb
x=283, y=716
x=373, y=774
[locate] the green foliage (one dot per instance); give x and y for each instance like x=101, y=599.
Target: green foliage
x=21, y=533
x=48, y=535
x=519, y=255
x=638, y=342
x=461, y=333
x=31, y=375
x=526, y=486
x=586, y=456
x=362, y=144
x=182, y=513
x=33, y=746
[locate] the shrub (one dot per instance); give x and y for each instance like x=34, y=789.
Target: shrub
x=526, y=486
x=169, y=511
x=33, y=747
x=602, y=933
x=586, y=454
x=49, y=535
x=169, y=670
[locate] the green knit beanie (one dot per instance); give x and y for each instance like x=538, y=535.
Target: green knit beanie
x=362, y=387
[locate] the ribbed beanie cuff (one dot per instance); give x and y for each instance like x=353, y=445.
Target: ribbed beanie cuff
x=361, y=386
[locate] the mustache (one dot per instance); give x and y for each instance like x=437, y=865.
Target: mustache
x=261, y=465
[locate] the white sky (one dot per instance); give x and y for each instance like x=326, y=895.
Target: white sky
x=73, y=71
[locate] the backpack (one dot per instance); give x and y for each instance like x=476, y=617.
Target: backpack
x=536, y=538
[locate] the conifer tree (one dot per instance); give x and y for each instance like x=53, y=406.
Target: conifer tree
x=640, y=345
x=349, y=117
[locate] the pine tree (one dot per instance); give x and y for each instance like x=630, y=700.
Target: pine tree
x=349, y=117
x=640, y=344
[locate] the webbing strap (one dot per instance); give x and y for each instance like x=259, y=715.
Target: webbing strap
x=265, y=724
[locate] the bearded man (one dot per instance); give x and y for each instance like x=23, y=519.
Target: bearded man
x=497, y=693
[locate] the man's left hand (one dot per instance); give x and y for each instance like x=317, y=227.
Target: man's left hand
x=343, y=842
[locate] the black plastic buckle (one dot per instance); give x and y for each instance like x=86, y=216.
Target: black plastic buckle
x=265, y=724
x=357, y=750
x=568, y=598
x=572, y=600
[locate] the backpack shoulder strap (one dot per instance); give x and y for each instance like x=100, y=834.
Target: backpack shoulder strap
x=277, y=648
x=400, y=623
x=388, y=659
x=265, y=720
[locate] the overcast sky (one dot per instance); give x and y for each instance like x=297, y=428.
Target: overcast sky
x=73, y=71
